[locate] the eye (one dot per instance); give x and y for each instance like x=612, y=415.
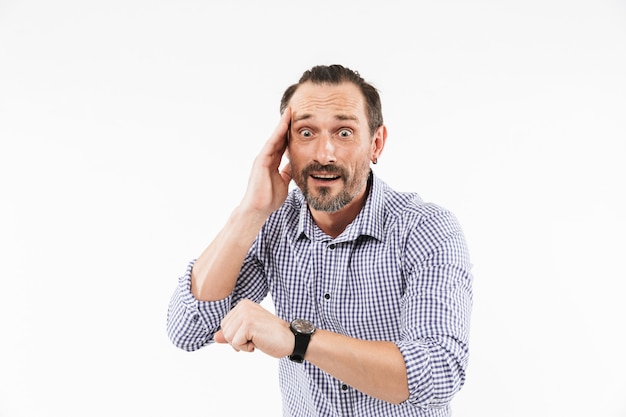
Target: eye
x=306, y=133
x=345, y=133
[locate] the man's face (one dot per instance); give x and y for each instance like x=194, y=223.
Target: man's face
x=330, y=146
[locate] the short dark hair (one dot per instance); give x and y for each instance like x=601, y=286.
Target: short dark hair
x=337, y=74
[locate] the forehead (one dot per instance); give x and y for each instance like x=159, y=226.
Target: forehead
x=344, y=98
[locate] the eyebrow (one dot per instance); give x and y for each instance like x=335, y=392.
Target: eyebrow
x=306, y=116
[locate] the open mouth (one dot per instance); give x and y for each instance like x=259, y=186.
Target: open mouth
x=325, y=177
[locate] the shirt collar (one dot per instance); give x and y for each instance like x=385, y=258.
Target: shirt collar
x=369, y=222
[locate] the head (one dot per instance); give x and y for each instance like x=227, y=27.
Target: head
x=337, y=74
x=336, y=131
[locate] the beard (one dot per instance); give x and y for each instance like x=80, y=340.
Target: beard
x=321, y=198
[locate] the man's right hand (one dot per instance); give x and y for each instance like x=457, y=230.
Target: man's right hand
x=215, y=272
x=268, y=186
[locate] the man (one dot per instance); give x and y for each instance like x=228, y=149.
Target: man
x=371, y=287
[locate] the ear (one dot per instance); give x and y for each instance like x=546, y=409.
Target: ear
x=378, y=143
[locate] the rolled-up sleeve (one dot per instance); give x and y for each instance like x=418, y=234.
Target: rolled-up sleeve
x=191, y=323
x=436, y=310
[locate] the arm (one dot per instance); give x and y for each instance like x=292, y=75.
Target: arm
x=426, y=365
x=375, y=368
x=436, y=310
x=215, y=272
x=202, y=299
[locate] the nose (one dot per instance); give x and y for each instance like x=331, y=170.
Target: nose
x=325, y=151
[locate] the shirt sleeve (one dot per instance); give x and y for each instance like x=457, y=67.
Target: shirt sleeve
x=436, y=310
x=191, y=323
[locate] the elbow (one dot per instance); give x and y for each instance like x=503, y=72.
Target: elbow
x=185, y=343
x=185, y=335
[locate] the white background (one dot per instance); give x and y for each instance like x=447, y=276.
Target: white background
x=127, y=129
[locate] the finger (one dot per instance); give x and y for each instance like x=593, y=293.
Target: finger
x=284, y=124
x=278, y=140
x=241, y=341
x=248, y=347
x=219, y=337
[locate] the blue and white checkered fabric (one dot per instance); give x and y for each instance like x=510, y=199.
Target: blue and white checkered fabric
x=399, y=272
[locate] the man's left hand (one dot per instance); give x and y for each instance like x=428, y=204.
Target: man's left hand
x=249, y=326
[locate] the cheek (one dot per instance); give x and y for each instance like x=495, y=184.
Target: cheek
x=295, y=161
x=296, y=156
x=356, y=159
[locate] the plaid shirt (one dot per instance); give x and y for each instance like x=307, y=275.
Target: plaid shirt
x=399, y=272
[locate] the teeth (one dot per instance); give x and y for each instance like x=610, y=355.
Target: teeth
x=326, y=177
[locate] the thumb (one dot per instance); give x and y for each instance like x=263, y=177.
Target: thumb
x=219, y=337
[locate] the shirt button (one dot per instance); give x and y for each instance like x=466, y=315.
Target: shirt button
x=195, y=318
x=344, y=387
x=327, y=296
x=331, y=246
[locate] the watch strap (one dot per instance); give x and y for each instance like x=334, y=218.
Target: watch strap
x=299, y=349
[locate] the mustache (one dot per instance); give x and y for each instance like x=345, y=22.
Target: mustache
x=319, y=168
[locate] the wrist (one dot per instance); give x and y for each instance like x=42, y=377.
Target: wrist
x=302, y=330
x=248, y=218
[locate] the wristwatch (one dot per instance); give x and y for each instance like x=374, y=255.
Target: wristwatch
x=303, y=330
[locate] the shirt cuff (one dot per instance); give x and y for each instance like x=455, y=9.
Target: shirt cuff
x=210, y=313
x=193, y=323
x=419, y=378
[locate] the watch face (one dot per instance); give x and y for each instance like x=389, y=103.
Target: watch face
x=303, y=326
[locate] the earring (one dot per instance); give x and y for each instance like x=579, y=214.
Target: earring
x=375, y=161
